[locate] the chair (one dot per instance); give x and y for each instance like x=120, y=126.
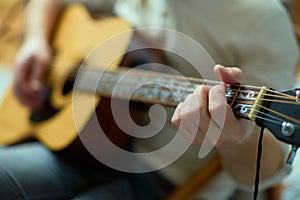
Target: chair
x=189, y=189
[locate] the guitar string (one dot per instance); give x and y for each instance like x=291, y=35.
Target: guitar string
x=218, y=82
x=279, y=101
x=196, y=80
x=73, y=75
x=276, y=119
x=271, y=110
x=280, y=114
x=269, y=120
x=190, y=89
x=149, y=73
x=245, y=101
x=272, y=116
x=184, y=94
x=250, y=102
x=184, y=91
x=173, y=77
x=282, y=95
x=290, y=118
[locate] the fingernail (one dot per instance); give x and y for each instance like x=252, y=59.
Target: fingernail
x=228, y=69
x=36, y=85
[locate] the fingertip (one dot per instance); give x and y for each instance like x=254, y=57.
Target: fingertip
x=218, y=67
x=231, y=75
x=218, y=71
x=222, y=68
x=236, y=75
x=176, y=115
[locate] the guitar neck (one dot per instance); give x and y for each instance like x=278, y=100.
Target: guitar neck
x=159, y=88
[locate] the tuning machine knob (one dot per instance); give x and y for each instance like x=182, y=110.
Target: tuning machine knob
x=287, y=129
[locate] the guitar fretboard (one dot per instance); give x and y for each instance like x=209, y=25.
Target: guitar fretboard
x=159, y=88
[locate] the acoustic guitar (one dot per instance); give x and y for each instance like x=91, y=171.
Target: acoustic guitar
x=76, y=34
x=278, y=111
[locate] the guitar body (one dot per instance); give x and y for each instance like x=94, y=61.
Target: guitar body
x=75, y=36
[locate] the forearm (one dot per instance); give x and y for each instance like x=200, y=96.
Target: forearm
x=40, y=18
x=240, y=159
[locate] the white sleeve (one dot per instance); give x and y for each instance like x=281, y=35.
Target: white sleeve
x=276, y=178
x=269, y=53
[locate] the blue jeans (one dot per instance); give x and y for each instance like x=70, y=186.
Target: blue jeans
x=31, y=171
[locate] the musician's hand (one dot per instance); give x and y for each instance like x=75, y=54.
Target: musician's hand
x=208, y=104
x=31, y=67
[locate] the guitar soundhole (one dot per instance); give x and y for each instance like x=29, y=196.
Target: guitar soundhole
x=69, y=83
x=46, y=111
x=68, y=87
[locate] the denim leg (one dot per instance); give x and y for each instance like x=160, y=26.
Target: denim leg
x=114, y=190
x=30, y=171
x=144, y=186
x=150, y=186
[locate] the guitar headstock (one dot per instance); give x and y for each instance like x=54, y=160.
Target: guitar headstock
x=280, y=113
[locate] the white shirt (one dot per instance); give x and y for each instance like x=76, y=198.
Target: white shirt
x=254, y=35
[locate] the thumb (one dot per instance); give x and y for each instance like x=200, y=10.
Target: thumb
x=230, y=75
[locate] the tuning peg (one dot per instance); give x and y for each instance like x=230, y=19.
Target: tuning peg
x=292, y=154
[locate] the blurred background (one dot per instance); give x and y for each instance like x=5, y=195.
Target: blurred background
x=11, y=12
